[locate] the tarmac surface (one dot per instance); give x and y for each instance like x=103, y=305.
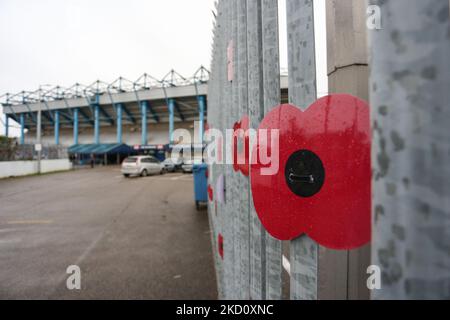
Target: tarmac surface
x=138, y=238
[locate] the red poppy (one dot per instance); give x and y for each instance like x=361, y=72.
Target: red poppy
x=323, y=186
x=241, y=141
x=220, y=245
x=210, y=193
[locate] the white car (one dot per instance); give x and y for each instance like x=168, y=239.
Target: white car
x=141, y=166
x=187, y=166
x=171, y=166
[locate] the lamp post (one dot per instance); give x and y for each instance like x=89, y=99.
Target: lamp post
x=39, y=140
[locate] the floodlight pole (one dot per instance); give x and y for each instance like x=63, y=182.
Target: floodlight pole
x=39, y=140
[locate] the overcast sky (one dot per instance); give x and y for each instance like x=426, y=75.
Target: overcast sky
x=63, y=42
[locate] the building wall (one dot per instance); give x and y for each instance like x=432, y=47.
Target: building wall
x=157, y=134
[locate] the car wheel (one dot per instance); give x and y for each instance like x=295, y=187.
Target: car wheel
x=126, y=175
x=144, y=173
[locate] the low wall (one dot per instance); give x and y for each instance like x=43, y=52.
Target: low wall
x=23, y=168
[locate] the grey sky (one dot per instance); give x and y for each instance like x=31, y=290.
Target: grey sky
x=63, y=42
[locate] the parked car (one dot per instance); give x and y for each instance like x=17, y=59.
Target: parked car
x=171, y=166
x=187, y=166
x=142, y=166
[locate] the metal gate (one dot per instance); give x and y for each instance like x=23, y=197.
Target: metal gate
x=409, y=93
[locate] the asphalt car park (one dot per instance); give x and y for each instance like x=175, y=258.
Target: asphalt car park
x=137, y=238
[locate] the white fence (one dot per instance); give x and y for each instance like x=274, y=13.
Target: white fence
x=23, y=168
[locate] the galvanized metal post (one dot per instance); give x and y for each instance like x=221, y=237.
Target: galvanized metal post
x=302, y=93
x=233, y=186
x=97, y=124
x=272, y=98
x=243, y=219
x=256, y=114
x=75, y=125
x=119, y=122
x=144, y=111
x=221, y=125
x=171, y=119
x=235, y=189
x=409, y=82
x=216, y=120
x=22, y=128
x=227, y=123
x=56, y=127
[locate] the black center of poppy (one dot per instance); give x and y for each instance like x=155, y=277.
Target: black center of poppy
x=304, y=173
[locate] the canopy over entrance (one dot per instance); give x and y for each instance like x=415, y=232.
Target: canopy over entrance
x=100, y=149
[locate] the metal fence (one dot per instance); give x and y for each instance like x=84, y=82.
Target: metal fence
x=245, y=80
x=10, y=150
